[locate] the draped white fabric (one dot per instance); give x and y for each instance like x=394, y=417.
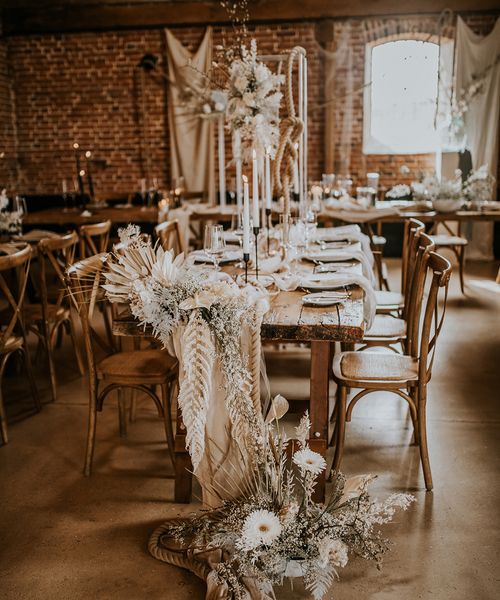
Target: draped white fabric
x=191, y=138
x=474, y=53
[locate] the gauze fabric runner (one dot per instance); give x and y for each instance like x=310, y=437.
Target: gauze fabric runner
x=347, y=210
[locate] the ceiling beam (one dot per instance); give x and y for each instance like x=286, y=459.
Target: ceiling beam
x=59, y=16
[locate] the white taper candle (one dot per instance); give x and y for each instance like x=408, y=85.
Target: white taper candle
x=255, y=191
x=222, y=165
x=246, y=216
x=267, y=177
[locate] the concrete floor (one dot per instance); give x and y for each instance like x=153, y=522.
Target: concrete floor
x=63, y=536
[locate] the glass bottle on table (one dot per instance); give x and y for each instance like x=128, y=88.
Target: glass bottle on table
x=214, y=243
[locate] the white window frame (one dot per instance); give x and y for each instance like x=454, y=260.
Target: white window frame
x=370, y=144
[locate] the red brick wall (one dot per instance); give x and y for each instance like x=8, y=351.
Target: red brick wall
x=8, y=162
x=86, y=88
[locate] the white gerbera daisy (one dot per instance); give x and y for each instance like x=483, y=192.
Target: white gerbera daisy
x=309, y=461
x=260, y=527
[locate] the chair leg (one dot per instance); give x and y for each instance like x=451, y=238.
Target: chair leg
x=72, y=333
x=29, y=371
x=50, y=339
x=4, y=438
x=122, y=412
x=461, y=267
x=133, y=406
x=422, y=438
x=339, y=446
x=167, y=394
x=89, y=453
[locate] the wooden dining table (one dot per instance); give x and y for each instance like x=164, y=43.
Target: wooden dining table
x=287, y=320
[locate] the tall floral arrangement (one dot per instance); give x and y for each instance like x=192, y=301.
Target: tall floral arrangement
x=254, y=99
x=275, y=530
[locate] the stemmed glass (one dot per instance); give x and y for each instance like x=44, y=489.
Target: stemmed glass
x=214, y=243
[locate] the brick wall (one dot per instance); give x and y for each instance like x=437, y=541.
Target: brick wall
x=8, y=157
x=86, y=88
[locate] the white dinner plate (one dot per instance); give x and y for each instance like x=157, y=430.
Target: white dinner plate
x=323, y=299
x=263, y=280
x=230, y=256
x=324, y=257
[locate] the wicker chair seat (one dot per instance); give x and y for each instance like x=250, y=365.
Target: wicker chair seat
x=386, y=326
x=374, y=366
x=140, y=367
x=444, y=240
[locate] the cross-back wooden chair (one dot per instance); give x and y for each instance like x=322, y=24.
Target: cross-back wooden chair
x=94, y=238
x=388, y=330
x=52, y=314
x=404, y=375
x=455, y=242
x=140, y=370
x=170, y=236
x=389, y=302
x=14, y=269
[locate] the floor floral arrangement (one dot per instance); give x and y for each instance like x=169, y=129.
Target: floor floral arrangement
x=274, y=530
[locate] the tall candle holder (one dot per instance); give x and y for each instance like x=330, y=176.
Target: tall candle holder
x=268, y=227
x=256, y=234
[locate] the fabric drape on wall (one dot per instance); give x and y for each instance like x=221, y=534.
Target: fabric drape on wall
x=191, y=138
x=475, y=53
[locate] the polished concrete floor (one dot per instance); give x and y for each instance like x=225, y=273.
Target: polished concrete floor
x=63, y=536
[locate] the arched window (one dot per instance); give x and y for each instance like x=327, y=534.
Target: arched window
x=401, y=80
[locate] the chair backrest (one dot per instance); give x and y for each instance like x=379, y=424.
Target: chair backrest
x=55, y=256
x=412, y=227
x=14, y=266
x=438, y=271
x=94, y=238
x=84, y=279
x=170, y=236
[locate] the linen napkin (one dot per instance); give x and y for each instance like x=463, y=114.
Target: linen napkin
x=351, y=233
x=343, y=254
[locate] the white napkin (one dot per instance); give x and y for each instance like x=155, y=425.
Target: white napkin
x=346, y=232
x=341, y=279
x=267, y=265
x=343, y=254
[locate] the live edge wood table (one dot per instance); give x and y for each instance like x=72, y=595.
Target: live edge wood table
x=287, y=320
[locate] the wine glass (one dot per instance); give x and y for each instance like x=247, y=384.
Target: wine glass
x=214, y=243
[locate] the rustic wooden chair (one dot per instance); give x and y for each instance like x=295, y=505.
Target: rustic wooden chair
x=405, y=375
x=140, y=370
x=52, y=314
x=388, y=330
x=14, y=269
x=94, y=238
x=170, y=236
x=454, y=242
x=389, y=302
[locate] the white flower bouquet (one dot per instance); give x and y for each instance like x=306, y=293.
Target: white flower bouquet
x=254, y=98
x=478, y=186
x=275, y=530
x=399, y=192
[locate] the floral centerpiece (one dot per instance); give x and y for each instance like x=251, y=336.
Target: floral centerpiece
x=275, y=530
x=200, y=319
x=10, y=221
x=478, y=186
x=399, y=192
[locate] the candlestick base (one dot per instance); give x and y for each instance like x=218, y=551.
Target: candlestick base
x=256, y=234
x=246, y=259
